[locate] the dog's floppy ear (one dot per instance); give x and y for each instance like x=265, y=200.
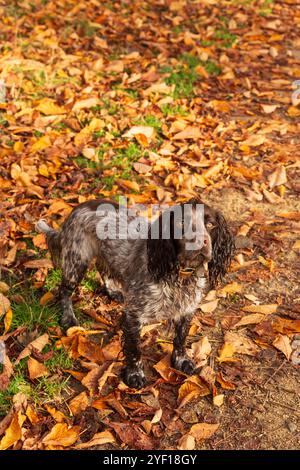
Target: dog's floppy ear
x=162, y=252
x=222, y=250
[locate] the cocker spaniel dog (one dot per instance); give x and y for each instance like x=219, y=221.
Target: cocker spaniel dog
x=162, y=276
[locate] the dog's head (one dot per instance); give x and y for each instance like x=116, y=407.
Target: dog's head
x=187, y=236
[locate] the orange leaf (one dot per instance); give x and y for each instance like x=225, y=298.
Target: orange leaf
x=282, y=343
x=62, y=435
x=14, y=432
x=57, y=415
x=79, y=403
x=36, y=369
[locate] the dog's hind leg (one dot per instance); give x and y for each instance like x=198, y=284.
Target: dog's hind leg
x=112, y=287
x=74, y=267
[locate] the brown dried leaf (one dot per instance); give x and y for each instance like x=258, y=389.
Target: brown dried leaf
x=282, y=343
x=241, y=344
x=100, y=438
x=39, y=344
x=36, y=369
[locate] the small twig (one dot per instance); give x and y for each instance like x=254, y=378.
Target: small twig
x=283, y=405
x=274, y=373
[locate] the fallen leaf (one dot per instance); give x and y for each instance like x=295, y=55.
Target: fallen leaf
x=62, y=435
x=241, y=344
x=46, y=298
x=133, y=436
x=36, y=369
x=49, y=107
x=267, y=309
x=4, y=305
x=282, y=343
x=202, y=431
x=87, y=103
x=278, y=177
x=254, y=140
x=200, y=351
x=14, y=432
x=218, y=400
x=8, y=320
x=56, y=414
x=39, y=344
x=79, y=403
x=250, y=319
x=269, y=108
x=190, y=132
x=209, y=307
x=186, y=442
x=226, y=352
x=100, y=438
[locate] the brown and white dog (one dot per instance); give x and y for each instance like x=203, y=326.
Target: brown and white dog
x=159, y=278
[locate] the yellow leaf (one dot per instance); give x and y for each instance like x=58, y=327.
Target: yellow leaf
x=226, y=353
x=293, y=111
x=57, y=415
x=49, y=107
x=18, y=147
x=282, y=343
x=218, y=400
x=3, y=287
x=8, y=320
x=61, y=435
x=232, y=288
x=41, y=144
x=88, y=103
x=265, y=309
x=43, y=170
x=209, y=306
x=269, y=108
x=296, y=245
x=14, y=432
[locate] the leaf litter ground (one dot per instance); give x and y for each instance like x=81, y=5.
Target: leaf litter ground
x=156, y=101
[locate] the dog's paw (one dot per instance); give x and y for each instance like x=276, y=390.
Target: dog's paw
x=185, y=365
x=134, y=377
x=68, y=321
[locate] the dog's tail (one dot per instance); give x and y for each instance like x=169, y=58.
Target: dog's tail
x=53, y=240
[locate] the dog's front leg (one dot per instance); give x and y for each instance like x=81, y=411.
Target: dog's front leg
x=178, y=359
x=68, y=317
x=133, y=374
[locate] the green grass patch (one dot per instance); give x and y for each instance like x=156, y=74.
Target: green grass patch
x=31, y=314
x=227, y=38
x=184, y=77
x=173, y=110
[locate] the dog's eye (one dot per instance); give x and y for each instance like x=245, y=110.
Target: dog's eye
x=209, y=225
